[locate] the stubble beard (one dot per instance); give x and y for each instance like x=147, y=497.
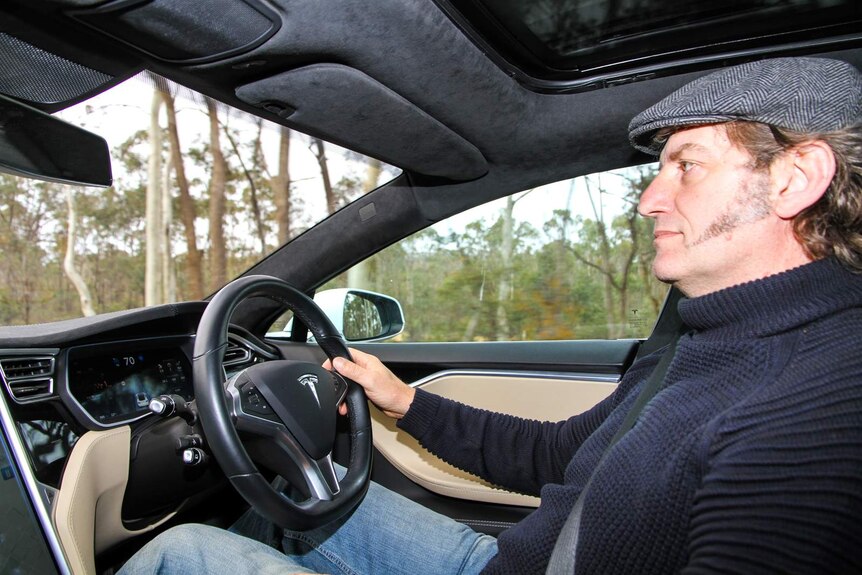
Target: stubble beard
x=750, y=204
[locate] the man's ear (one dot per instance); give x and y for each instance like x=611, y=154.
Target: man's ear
x=808, y=170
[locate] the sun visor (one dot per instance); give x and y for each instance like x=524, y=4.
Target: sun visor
x=344, y=106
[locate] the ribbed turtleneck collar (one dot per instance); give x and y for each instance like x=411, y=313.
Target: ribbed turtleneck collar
x=776, y=303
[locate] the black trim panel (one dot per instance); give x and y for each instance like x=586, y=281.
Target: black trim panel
x=413, y=361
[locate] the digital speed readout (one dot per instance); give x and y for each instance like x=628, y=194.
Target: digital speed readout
x=116, y=387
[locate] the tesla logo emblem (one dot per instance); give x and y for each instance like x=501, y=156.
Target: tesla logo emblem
x=310, y=380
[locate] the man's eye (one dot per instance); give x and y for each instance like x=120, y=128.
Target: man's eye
x=686, y=166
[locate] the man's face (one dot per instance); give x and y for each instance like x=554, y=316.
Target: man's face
x=712, y=212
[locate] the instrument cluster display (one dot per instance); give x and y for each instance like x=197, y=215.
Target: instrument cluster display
x=114, y=387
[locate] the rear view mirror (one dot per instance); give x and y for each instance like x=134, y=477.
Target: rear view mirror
x=34, y=144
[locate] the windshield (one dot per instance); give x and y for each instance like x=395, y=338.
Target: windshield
x=201, y=191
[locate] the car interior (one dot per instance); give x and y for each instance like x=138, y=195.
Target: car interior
x=471, y=100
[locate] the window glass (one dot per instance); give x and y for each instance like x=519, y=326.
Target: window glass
x=49, y=442
x=570, y=260
x=22, y=545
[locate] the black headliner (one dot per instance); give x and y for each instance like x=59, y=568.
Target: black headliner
x=415, y=51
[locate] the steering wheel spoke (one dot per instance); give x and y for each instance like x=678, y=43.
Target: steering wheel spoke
x=321, y=479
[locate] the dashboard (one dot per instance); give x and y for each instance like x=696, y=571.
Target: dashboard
x=63, y=379
x=87, y=383
x=97, y=464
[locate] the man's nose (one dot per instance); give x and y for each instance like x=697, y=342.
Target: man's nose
x=656, y=199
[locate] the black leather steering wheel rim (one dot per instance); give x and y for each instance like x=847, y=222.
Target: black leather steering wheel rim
x=223, y=438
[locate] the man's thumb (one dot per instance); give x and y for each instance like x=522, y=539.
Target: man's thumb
x=343, y=366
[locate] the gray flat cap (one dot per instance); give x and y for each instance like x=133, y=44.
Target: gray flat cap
x=802, y=94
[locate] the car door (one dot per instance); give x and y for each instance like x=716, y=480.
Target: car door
x=548, y=382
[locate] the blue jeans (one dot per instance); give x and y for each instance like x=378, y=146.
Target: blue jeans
x=386, y=534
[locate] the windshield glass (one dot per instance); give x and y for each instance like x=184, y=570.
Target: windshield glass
x=201, y=191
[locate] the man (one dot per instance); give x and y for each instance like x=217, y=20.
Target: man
x=748, y=458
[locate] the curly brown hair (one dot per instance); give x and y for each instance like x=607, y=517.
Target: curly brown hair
x=833, y=225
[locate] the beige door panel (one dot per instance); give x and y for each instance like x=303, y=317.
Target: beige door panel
x=539, y=397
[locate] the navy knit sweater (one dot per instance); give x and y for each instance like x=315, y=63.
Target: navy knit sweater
x=749, y=460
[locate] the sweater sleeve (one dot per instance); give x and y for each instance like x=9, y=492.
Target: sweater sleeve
x=509, y=451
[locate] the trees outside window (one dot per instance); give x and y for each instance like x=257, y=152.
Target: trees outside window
x=201, y=191
x=570, y=260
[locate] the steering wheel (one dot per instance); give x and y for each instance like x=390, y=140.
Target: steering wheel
x=287, y=411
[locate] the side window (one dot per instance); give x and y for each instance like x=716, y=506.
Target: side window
x=22, y=546
x=569, y=260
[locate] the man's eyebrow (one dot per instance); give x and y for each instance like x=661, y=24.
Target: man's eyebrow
x=677, y=152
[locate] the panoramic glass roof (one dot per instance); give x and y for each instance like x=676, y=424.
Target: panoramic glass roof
x=571, y=41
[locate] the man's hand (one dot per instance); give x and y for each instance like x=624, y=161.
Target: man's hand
x=382, y=387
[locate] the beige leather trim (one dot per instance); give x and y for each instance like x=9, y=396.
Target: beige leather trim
x=530, y=397
x=87, y=508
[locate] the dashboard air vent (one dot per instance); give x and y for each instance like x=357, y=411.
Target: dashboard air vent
x=28, y=378
x=236, y=354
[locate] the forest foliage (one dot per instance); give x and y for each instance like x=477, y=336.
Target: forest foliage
x=201, y=192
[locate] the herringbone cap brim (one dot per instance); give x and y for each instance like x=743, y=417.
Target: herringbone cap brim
x=810, y=95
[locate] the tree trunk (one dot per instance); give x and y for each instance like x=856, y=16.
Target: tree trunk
x=505, y=289
x=627, y=269
x=606, y=264
x=372, y=175
x=320, y=153
x=69, y=260
x=153, y=281
x=218, y=183
x=281, y=188
x=194, y=266
x=470, y=330
x=358, y=276
x=252, y=192
x=169, y=280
